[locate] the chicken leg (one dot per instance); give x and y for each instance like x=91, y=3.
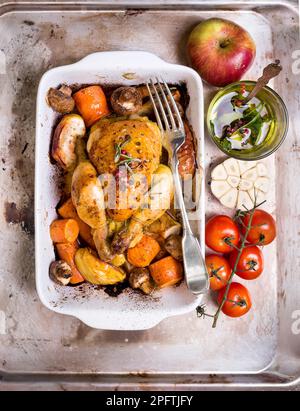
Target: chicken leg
x=88, y=198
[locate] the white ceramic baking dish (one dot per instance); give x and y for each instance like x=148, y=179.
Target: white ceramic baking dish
x=130, y=310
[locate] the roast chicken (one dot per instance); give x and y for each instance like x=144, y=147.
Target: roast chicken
x=131, y=147
x=142, y=142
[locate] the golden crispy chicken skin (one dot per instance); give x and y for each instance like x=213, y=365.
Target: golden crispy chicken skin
x=87, y=195
x=133, y=146
x=144, y=143
x=88, y=198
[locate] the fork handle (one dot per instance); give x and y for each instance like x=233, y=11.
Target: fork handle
x=179, y=196
x=194, y=264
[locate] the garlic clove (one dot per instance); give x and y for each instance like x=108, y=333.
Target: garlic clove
x=256, y=195
x=219, y=173
x=262, y=183
x=233, y=181
x=230, y=198
x=232, y=167
x=219, y=187
x=245, y=185
x=250, y=174
x=246, y=165
x=244, y=201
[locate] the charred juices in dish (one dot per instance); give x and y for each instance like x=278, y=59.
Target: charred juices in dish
x=116, y=218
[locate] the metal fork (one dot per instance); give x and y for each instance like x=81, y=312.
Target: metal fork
x=172, y=125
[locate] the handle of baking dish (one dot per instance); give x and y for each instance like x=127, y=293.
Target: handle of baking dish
x=147, y=323
x=115, y=57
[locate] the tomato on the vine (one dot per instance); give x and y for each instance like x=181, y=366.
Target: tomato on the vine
x=219, y=271
x=250, y=264
x=221, y=232
x=263, y=227
x=238, y=301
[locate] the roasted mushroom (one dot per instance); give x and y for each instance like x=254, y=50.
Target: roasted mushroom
x=173, y=245
x=61, y=100
x=126, y=100
x=165, y=226
x=60, y=272
x=63, y=150
x=140, y=278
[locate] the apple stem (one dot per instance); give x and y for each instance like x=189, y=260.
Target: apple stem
x=224, y=43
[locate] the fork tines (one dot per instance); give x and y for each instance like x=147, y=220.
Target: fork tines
x=165, y=108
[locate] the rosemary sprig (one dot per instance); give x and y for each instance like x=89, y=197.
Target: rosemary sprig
x=123, y=158
x=119, y=147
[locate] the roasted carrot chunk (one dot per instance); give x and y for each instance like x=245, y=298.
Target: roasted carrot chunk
x=166, y=272
x=66, y=252
x=64, y=231
x=67, y=210
x=91, y=104
x=143, y=252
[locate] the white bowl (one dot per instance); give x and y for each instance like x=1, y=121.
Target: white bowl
x=130, y=310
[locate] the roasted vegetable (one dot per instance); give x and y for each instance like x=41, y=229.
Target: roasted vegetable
x=165, y=226
x=66, y=252
x=166, y=272
x=158, y=201
x=114, y=226
x=128, y=267
x=61, y=100
x=140, y=278
x=126, y=100
x=67, y=210
x=64, y=231
x=118, y=260
x=96, y=271
x=173, y=245
x=60, y=272
x=63, y=150
x=136, y=239
x=144, y=252
x=91, y=104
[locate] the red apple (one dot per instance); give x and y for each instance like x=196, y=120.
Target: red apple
x=221, y=51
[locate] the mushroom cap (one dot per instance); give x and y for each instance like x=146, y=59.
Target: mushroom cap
x=126, y=100
x=61, y=100
x=60, y=272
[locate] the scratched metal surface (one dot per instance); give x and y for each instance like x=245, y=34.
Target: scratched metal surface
x=37, y=345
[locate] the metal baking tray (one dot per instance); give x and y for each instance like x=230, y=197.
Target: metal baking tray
x=41, y=349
